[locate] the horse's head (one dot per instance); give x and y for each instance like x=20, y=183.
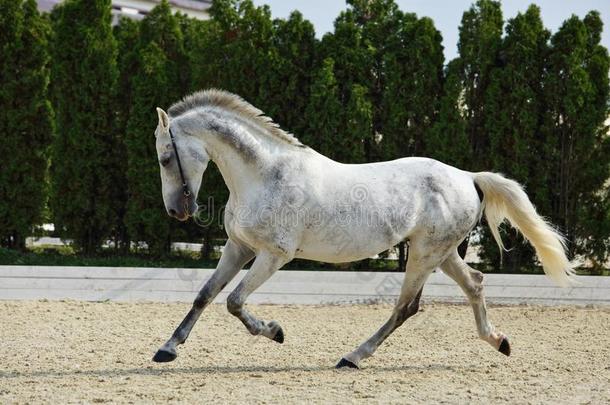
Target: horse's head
x=182, y=160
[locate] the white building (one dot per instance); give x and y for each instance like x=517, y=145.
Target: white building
x=139, y=8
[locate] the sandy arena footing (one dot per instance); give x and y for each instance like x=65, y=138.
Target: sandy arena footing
x=100, y=352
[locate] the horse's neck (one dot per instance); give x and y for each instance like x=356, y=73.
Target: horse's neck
x=240, y=149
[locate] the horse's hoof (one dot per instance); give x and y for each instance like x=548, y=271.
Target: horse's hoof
x=279, y=336
x=504, y=347
x=164, y=356
x=345, y=363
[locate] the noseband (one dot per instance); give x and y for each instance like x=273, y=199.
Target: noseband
x=185, y=188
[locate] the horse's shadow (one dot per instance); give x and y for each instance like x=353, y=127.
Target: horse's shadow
x=211, y=370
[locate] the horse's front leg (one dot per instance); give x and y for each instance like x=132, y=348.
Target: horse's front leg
x=264, y=266
x=233, y=258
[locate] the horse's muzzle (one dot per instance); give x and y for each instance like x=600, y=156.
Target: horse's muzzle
x=185, y=211
x=180, y=216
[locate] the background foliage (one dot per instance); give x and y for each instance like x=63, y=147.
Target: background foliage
x=517, y=100
x=85, y=170
x=25, y=119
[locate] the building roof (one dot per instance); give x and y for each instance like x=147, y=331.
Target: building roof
x=139, y=8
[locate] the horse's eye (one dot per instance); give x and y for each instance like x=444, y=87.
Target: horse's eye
x=164, y=161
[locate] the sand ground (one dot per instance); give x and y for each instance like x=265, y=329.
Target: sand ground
x=77, y=352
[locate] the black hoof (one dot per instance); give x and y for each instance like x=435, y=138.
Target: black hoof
x=504, y=347
x=345, y=363
x=163, y=356
x=279, y=336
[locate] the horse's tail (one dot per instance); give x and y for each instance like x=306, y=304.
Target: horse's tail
x=505, y=199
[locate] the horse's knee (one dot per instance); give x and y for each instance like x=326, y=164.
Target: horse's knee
x=207, y=294
x=413, y=306
x=410, y=309
x=234, y=304
x=202, y=300
x=476, y=276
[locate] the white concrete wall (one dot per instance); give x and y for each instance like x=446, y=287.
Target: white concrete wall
x=285, y=287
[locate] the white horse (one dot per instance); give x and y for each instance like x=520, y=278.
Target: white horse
x=288, y=201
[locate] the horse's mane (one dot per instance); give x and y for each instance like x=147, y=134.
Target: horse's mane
x=234, y=103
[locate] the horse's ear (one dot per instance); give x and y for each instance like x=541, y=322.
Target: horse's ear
x=163, y=118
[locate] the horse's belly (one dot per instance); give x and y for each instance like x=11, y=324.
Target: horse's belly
x=338, y=245
x=331, y=257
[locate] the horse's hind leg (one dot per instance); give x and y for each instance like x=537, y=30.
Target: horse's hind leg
x=470, y=281
x=233, y=258
x=418, y=270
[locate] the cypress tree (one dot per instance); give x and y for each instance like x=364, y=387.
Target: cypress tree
x=447, y=141
x=146, y=217
x=413, y=71
x=515, y=105
x=158, y=82
x=577, y=95
x=352, y=55
x=378, y=20
x=205, y=53
x=245, y=53
x=267, y=62
x=290, y=80
x=480, y=37
x=594, y=219
x=83, y=77
x=127, y=35
x=515, y=97
x=359, y=119
x=324, y=112
x=25, y=119
x=358, y=47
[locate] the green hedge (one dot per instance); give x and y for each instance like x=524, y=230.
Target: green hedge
x=518, y=100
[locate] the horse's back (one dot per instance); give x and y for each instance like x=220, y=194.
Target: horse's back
x=364, y=209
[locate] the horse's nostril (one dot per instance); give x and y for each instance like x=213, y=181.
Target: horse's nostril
x=172, y=212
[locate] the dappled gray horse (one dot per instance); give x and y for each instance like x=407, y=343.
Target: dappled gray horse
x=288, y=201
